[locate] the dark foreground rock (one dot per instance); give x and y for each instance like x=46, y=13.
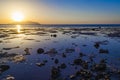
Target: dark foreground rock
x=4, y=68
x=40, y=51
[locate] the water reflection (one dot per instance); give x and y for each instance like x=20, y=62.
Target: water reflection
x=18, y=28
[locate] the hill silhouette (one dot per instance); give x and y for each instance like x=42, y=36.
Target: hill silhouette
x=25, y=22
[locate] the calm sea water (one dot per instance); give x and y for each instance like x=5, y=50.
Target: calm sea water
x=63, y=25
x=68, y=39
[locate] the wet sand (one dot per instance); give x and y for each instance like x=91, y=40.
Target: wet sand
x=64, y=53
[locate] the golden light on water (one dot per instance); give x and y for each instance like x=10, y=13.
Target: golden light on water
x=18, y=28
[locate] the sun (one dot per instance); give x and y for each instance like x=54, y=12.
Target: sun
x=18, y=16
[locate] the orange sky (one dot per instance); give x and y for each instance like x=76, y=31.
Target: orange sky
x=62, y=12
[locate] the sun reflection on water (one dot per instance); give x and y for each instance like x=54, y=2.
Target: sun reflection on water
x=18, y=28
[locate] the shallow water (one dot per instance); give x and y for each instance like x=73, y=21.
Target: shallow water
x=71, y=41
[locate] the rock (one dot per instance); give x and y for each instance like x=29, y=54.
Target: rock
x=19, y=58
x=102, y=76
x=85, y=73
x=81, y=54
x=52, y=51
x=40, y=64
x=100, y=67
x=40, y=51
x=11, y=48
x=55, y=73
x=63, y=66
x=5, y=55
x=56, y=61
x=77, y=61
x=96, y=45
x=72, y=76
x=63, y=55
x=27, y=52
x=7, y=48
x=70, y=50
x=103, y=51
x=1, y=41
x=10, y=78
x=54, y=35
x=118, y=71
x=84, y=65
x=4, y=68
x=52, y=58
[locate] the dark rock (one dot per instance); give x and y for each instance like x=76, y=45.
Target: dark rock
x=40, y=51
x=40, y=64
x=63, y=55
x=85, y=73
x=77, y=61
x=52, y=58
x=7, y=48
x=97, y=45
x=115, y=34
x=102, y=76
x=72, y=76
x=5, y=54
x=84, y=65
x=4, y=68
x=63, y=66
x=27, y=52
x=54, y=35
x=100, y=67
x=81, y=54
x=55, y=73
x=51, y=51
x=56, y=61
x=69, y=50
x=103, y=51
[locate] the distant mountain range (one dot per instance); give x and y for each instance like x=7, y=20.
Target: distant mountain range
x=25, y=22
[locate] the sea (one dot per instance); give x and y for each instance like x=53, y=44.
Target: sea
x=60, y=52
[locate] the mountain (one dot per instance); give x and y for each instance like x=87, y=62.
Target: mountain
x=25, y=22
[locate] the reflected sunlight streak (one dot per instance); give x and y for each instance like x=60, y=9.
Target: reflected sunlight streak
x=18, y=28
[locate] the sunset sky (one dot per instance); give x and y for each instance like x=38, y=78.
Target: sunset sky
x=62, y=11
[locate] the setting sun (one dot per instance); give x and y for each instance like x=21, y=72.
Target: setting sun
x=17, y=16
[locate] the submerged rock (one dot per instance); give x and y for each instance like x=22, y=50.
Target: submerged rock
x=102, y=76
x=81, y=54
x=63, y=55
x=86, y=74
x=9, y=77
x=40, y=51
x=19, y=58
x=77, y=61
x=4, y=68
x=55, y=73
x=54, y=35
x=63, y=66
x=72, y=76
x=97, y=45
x=56, y=61
x=52, y=51
x=69, y=50
x=100, y=67
x=27, y=52
x=40, y=64
x=7, y=48
x=103, y=51
x=6, y=55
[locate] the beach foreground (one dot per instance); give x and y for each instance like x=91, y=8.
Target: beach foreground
x=64, y=53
